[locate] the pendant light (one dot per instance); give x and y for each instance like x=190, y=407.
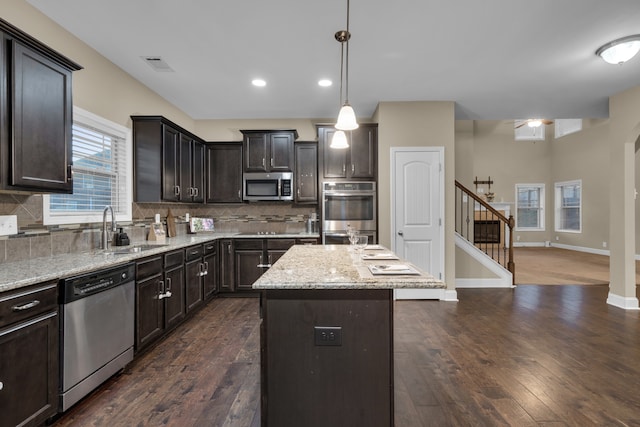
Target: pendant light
x=346, y=117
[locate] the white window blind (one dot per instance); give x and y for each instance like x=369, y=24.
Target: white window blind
x=101, y=174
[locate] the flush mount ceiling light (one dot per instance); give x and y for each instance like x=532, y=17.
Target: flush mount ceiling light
x=621, y=50
x=258, y=82
x=325, y=83
x=346, y=117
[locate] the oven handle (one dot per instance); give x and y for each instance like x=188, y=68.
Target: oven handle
x=352, y=193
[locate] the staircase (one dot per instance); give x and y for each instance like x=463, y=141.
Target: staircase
x=479, y=225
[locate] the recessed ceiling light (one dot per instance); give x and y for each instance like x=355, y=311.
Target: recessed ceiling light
x=325, y=83
x=258, y=82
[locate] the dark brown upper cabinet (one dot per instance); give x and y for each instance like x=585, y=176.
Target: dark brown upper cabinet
x=168, y=162
x=268, y=150
x=35, y=115
x=306, y=172
x=224, y=172
x=359, y=162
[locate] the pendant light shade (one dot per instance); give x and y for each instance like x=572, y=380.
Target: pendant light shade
x=347, y=118
x=621, y=50
x=339, y=140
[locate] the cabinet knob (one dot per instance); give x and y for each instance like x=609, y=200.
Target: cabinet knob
x=1, y=385
x=400, y=233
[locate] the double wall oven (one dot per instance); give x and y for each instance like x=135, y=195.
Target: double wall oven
x=348, y=204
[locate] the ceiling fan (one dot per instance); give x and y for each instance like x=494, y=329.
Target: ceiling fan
x=533, y=123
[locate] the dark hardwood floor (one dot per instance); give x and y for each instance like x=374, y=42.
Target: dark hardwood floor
x=529, y=356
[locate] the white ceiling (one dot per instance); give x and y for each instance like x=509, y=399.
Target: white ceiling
x=497, y=59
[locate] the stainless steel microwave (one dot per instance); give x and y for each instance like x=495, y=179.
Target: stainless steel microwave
x=267, y=186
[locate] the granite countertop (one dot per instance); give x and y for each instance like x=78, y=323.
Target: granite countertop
x=14, y=275
x=336, y=267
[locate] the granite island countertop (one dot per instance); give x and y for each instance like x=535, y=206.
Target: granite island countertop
x=18, y=274
x=336, y=267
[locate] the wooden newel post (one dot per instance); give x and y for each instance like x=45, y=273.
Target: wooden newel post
x=511, y=266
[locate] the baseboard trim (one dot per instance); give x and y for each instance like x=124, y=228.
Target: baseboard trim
x=582, y=249
x=482, y=283
x=435, y=294
x=626, y=303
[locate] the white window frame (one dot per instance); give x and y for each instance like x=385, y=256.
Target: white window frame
x=541, y=211
x=566, y=127
x=86, y=118
x=558, y=205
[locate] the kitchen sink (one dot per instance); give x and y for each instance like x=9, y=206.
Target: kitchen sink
x=123, y=250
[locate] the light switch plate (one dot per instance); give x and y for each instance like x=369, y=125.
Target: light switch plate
x=8, y=225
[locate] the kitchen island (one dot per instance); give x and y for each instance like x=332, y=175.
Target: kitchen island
x=327, y=336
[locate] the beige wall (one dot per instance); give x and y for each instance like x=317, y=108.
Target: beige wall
x=417, y=124
x=489, y=149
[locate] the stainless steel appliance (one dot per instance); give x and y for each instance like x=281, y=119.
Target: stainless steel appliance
x=346, y=204
x=267, y=186
x=97, y=329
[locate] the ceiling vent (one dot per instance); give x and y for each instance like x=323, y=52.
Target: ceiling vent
x=157, y=63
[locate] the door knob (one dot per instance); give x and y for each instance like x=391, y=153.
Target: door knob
x=400, y=233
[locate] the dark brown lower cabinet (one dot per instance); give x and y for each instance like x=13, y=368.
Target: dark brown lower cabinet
x=327, y=358
x=211, y=267
x=29, y=356
x=194, y=273
x=254, y=256
x=160, y=296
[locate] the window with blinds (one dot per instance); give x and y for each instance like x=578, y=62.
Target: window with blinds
x=568, y=201
x=530, y=207
x=101, y=173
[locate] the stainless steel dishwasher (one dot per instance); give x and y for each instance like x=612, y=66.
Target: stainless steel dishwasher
x=97, y=329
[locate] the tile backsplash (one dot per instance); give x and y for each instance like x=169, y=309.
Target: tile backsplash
x=37, y=240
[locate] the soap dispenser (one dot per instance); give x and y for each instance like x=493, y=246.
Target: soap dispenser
x=121, y=238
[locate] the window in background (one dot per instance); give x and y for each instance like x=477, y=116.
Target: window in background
x=567, y=126
x=102, y=160
x=526, y=133
x=530, y=207
x=568, y=204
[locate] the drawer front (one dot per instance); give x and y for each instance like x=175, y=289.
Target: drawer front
x=25, y=303
x=174, y=258
x=148, y=267
x=280, y=243
x=210, y=247
x=245, y=244
x=194, y=252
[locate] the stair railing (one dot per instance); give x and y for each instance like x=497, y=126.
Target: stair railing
x=486, y=228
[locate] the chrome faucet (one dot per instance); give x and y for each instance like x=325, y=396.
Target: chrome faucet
x=105, y=233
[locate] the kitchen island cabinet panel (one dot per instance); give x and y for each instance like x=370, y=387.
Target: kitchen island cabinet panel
x=353, y=379
x=29, y=365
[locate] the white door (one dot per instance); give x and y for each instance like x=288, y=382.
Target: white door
x=417, y=194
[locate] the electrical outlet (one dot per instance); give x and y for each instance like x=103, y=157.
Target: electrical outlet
x=327, y=335
x=8, y=225
x=517, y=238
x=604, y=244
x=557, y=238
